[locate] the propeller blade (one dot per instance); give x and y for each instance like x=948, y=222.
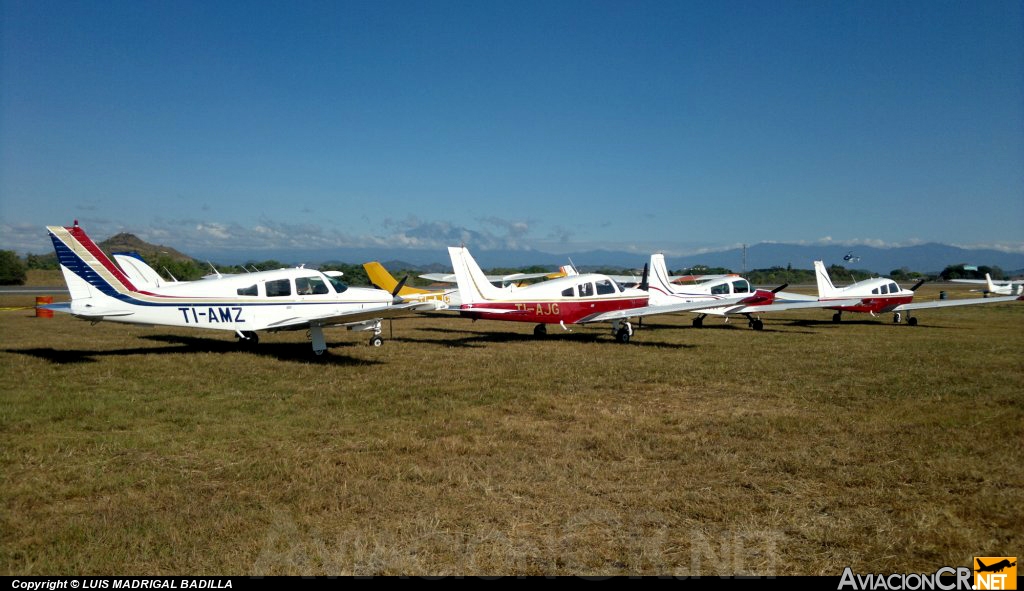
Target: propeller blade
x=400, y=285
x=918, y=284
x=397, y=299
x=780, y=288
x=644, y=284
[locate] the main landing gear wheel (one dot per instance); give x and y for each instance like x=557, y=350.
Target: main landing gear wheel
x=837, y=317
x=912, y=320
x=622, y=335
x=540, y=330
x=757, y=324
x=896, y=318
x=698, y=322
x=376, y=341
x=248, y=339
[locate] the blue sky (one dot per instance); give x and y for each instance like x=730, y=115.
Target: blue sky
x=672, y=126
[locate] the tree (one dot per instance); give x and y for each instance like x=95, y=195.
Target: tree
x=12, y=270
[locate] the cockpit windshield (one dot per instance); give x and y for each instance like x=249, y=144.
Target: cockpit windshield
x=338, y=285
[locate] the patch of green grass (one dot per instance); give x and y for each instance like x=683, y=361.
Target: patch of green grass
x=474, y=448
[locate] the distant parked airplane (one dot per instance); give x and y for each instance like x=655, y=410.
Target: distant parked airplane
x=879, y=294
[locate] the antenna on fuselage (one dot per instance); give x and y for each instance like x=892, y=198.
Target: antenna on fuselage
x=215, y=271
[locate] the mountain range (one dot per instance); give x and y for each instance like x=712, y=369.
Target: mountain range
x=925, y=258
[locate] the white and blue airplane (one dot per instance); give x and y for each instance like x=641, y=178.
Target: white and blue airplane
x=246, y=304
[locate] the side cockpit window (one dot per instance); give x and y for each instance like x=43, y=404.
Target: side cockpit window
x=247, y=291
x=893, y=288
x=605, y=287
x=279, y=288
x=740, y=286
x=310, y=286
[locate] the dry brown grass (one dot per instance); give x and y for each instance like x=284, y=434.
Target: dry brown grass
x=472, y=448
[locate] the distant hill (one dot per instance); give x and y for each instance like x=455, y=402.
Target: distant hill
x=925, y=258
x=125, y=242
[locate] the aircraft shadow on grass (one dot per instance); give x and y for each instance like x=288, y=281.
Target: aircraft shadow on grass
x=479, y=338
x=185, y=345
x=828, y=323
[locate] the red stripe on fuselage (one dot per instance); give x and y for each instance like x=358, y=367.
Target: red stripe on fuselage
x=875, y=305
x=568, y=311
x=79, y=234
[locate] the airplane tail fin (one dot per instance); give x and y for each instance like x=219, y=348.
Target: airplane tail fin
x=659, y=284
x=991, y=288
x=825, y=287
x=473, y=285
x=380, y=277
x=86, y=268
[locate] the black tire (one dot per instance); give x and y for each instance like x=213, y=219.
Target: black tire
x=540, y=330
x=698, y=322
x=912, y=321
x=622, y=336
x=837, y=317
x=757, y=324
x=376, y=341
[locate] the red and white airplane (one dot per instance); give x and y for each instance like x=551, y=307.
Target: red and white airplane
x=719, y=289
x=879, y=295
x=575, y=299
x=285, y=299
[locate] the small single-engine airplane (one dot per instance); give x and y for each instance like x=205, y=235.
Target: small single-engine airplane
x=879, y=294
x=996, y=287
x=575, y=299
x=285, y=299
x=994, y=567
x=664, y=292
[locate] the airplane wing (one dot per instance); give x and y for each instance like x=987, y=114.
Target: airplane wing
x=356, y=316
x=951, y=303
x=482, y=310
x=652, y=310
x=450, y=278
x=996, y=282
x=801, y=305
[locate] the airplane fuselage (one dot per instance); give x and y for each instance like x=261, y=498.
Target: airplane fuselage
x=566, y=299
x=552, y=312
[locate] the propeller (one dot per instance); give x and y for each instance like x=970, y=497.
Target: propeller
x=780, y=288
x=644, y=284
x=918, y=284
x=394, y=294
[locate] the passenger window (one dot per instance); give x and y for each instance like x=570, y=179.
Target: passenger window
x=247, y=291
x=875, y=291
x=279, y=288
x=720, y=289
x=884, y=289
x=605, y=287
x=586, y=290
x=310, y=286
x=569, y=293
x=740, y=287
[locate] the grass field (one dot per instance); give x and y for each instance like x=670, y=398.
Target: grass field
x=473, y=448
